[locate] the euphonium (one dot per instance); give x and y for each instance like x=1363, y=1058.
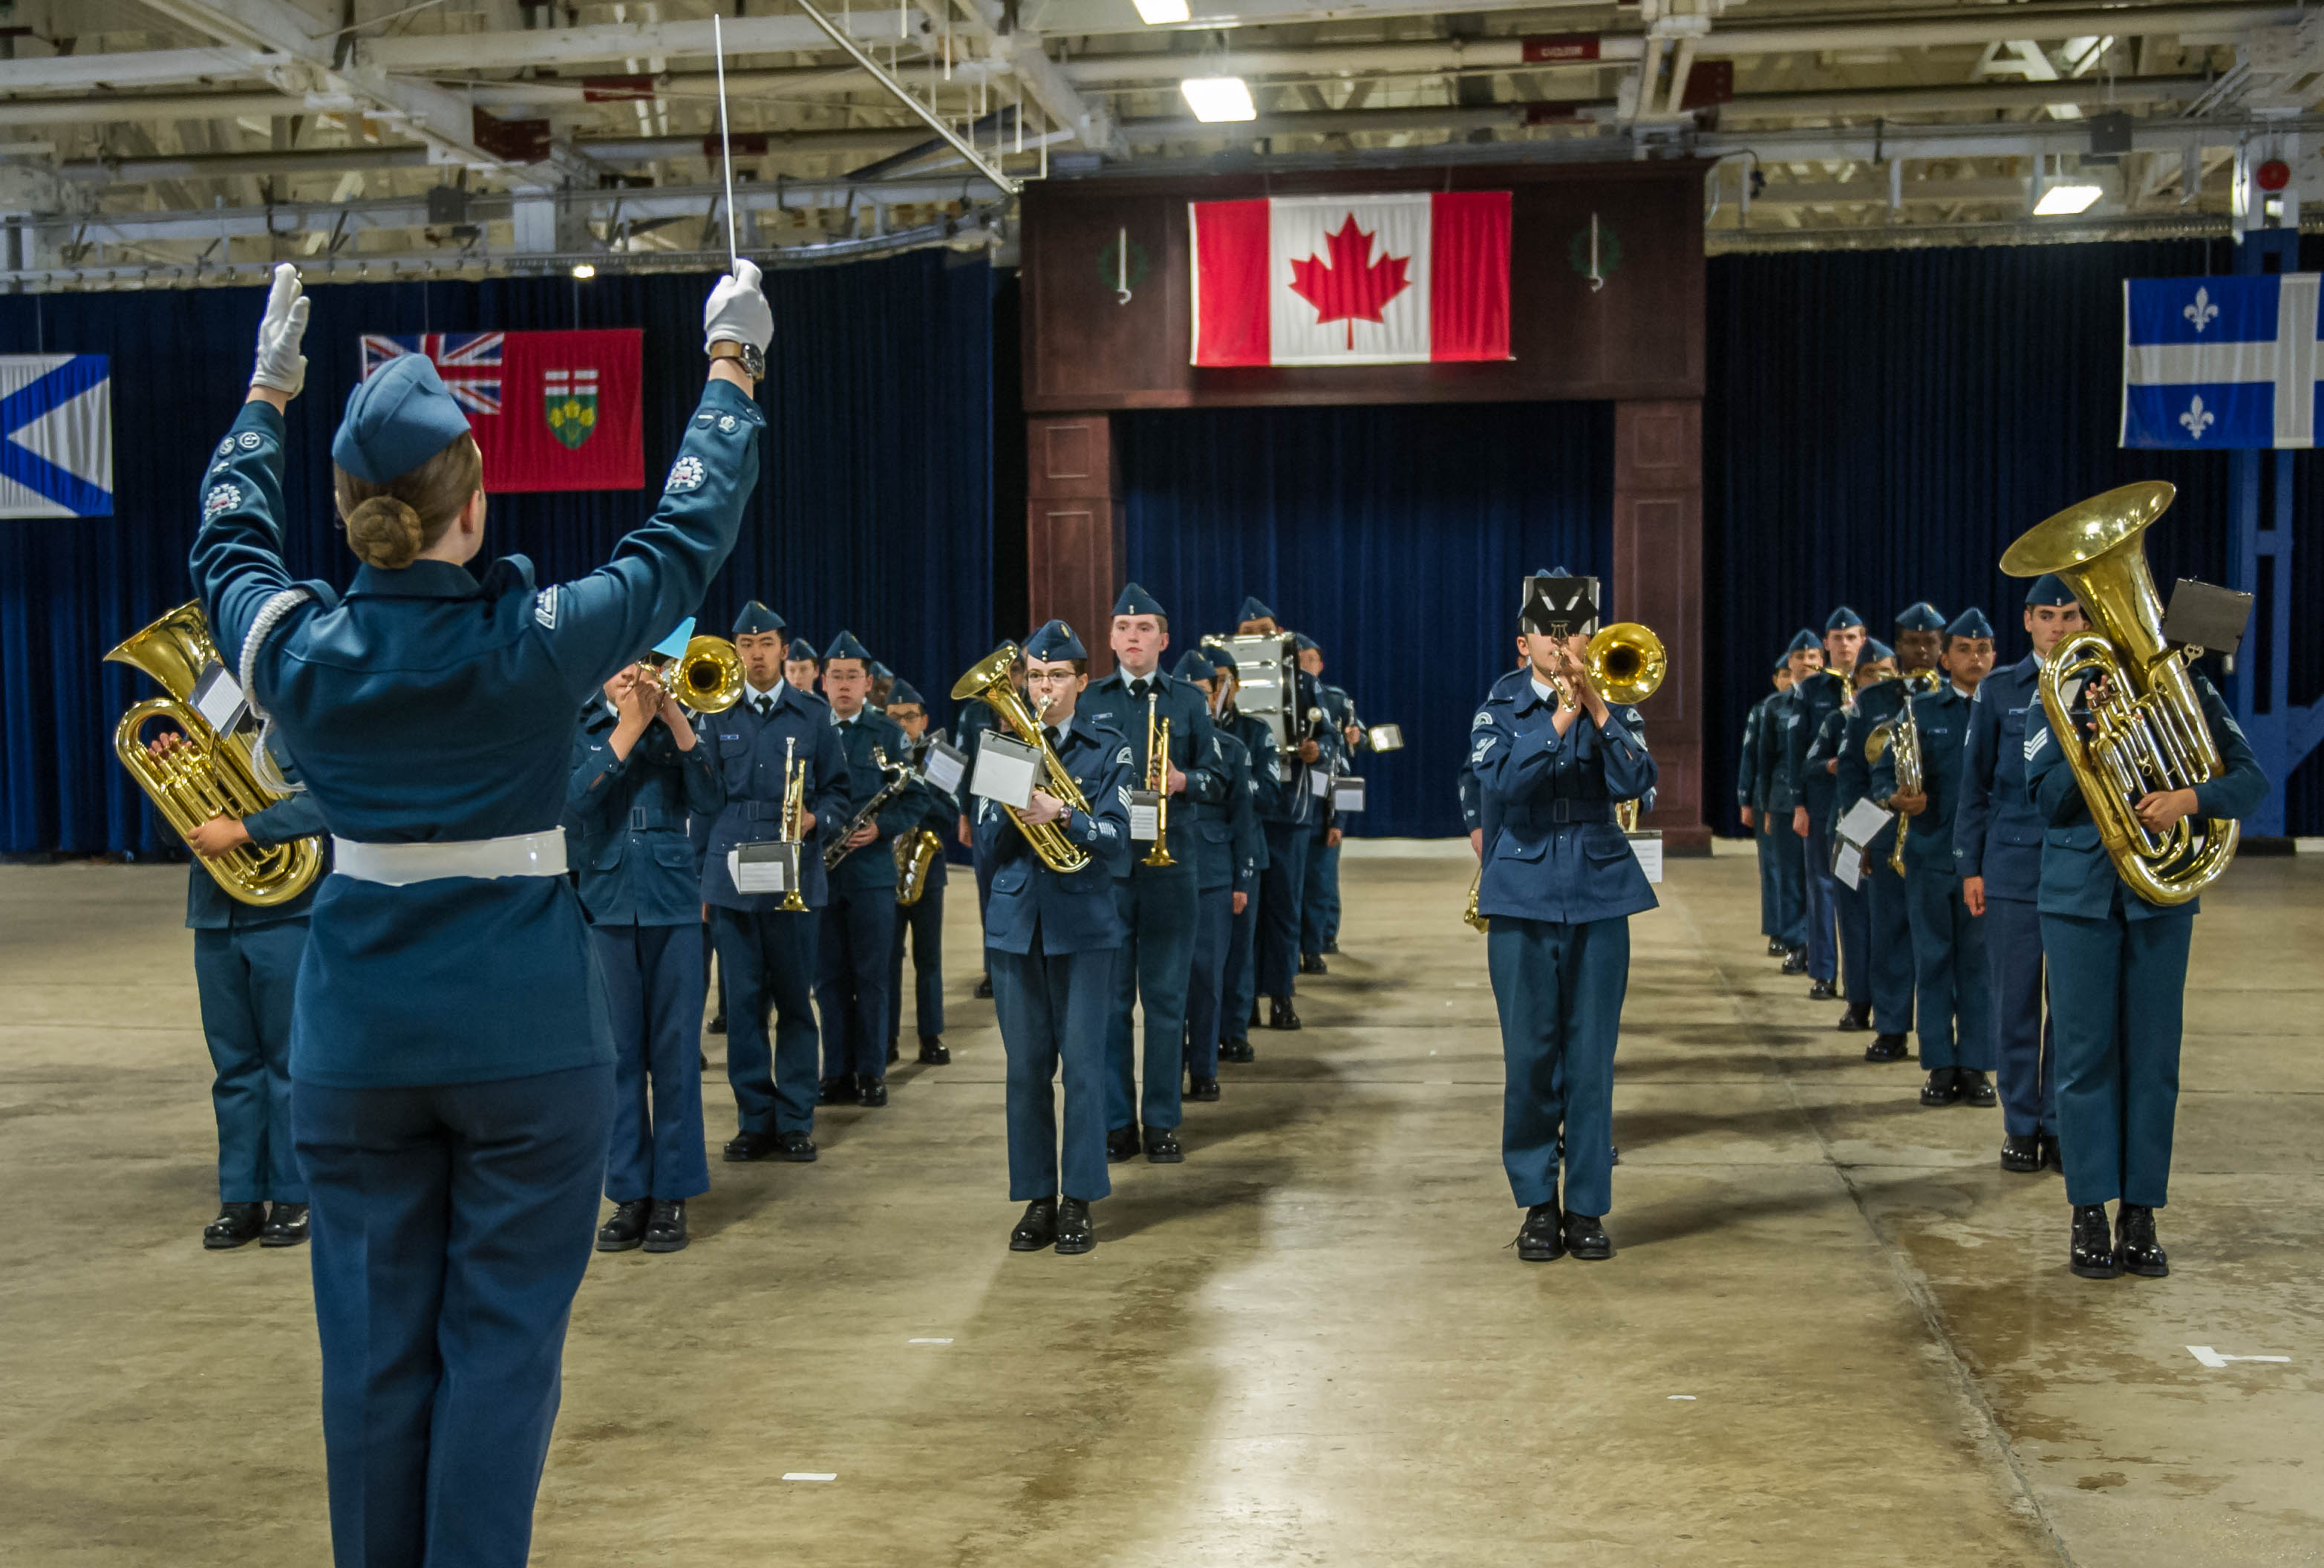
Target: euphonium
x=793, y=826
x=2148, y=729
x=915, y=854
x=211, y=775
x=988, y=680
x=1158, y=779
x=1626, y=662
x=709, y=675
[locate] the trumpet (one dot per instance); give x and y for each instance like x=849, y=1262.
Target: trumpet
x=1158, y=779
x=1903, y=733
x=708, y=674
x=1476, y=886
x=793, y=827
x=988, y=681
x=1626, y=663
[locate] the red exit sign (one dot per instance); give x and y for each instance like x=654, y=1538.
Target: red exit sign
x=1561, y=48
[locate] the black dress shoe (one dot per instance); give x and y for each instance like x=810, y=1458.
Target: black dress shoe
x=1972, y=1087
x=1162, y=1147
x=1121, y=1144
x=1823, y=991
x=1074, y=1232
x=625, y=1227
x=1331, y=947
x=744, y=1147
x=666, y=1226
x=984, y=989
x=1542, y=1238
x=933, y=1051
x=838, y=1090
x=286, y=1225
x=1037, y=1231
x=2049, y=1154
x=1311, y=963
x=2091, y=1254
x=1855, y=1017
x=2135, y=1246
x=1585, y=1237
x=871, y=1093
x=1201, y=1088
x=1776, y=948
x=2022, y=1155
x=718, y=1025
x=894, y=1054
x=1795, y=961
x=1885, y=1049
x=1943, y=1087
x=235, y=1224
x=796, y=1148
x=1237, y=1050
x=1279, y=1015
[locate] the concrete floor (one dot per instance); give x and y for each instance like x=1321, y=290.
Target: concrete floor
x=1833, y=1332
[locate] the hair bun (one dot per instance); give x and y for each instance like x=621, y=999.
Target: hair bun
x=386, y=532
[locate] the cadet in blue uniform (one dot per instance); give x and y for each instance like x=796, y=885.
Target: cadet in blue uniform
x=1751, y=805
x=1952, y=1000
x=1229, y=848
x=923, y=921
x=1822, y=694
x=766, y=954
x=451, y=1058
x=1319, y=899
x=1920, y=636
x=1560, y=884
x=1998, y=843
x=246, y=971
x=859, y=922
x=1239, y=978
x=2118, y=974
x=639, y=770
x=1875, y=661
x=1289, y=821
x=1051, y=941
x=801, y=667
x=1779, y=738
x=1156, y=903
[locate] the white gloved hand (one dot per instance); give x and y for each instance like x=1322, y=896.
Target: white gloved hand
x=281, y=365
x=737, y=312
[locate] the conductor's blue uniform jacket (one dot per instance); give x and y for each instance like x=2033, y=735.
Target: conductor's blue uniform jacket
x=1072, y=913
x=637, y=865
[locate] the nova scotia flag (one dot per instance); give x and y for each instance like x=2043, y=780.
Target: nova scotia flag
x=56, y=435
x=2220, y=363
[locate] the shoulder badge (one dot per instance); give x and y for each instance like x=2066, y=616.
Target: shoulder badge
x=725, y=424
x=2034, y=740
x=685, y=475
x=250, y=439
x=1483, y=721
x=544, y=608
x=225, y=447
x=1484, y=745
x=222, y=498
x=1123, y=758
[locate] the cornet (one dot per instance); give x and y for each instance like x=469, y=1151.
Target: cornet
x=1158, y=779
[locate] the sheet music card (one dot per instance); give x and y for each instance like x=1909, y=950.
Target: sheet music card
x=1006, y=771
x=763, y=868
x=1647, y=846
x=217, y=697
x=945, y=766
x=1145, y=816
x=1347, y=795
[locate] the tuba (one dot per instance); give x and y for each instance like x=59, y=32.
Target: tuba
x=988, y=680
x=915, y=854
x=211, y=775
x=2147, y=731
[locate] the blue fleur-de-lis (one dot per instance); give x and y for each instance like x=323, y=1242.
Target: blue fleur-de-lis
x=2202, y=312
x=2197, y=419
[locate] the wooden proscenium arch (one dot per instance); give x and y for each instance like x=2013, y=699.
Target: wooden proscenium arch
x=1636, y=343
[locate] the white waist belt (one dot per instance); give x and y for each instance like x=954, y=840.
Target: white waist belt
x=520, y=855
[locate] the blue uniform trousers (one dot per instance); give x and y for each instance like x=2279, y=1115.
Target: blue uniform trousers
x=1823, y=950
x=851, y=988
x=768, y=961
x=1319, y=899
x=925, y=923
x=1154, y=967
x=451, y=1227
x=984, y=868
x=652, y=989
x=1052, y=1011
x=1787, y=849
x=1206, y=985
x=2121, y=988
x=247, y=979
x=1952, y=999
x=1769, y=926
x=1851, y=911
x=1239, y=984
x=1560, y=991
x=1889, y=923
x=2025, y=1057
x=1280, y=886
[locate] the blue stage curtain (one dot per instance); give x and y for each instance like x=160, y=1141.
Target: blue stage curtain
x=1880, y=425
x=874, y=511
x=1394, y=537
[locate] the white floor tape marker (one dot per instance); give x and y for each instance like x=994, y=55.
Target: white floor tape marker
x=810, y=1475
x=2211, y=1358
x=928, y=1342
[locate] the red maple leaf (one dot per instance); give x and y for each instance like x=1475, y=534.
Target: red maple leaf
x=1351, y=287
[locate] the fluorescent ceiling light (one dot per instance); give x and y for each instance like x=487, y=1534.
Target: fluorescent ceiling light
x=1215, y=98
x=584, y=271
x=2064, y=200
x=1155, y=13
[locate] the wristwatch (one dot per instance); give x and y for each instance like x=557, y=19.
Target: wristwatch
x=753, y=358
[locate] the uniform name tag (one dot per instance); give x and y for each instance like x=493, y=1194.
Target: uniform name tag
x=763, y=868
x=1145, y=816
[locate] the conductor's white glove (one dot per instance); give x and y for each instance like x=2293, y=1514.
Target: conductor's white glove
x=280, y=366
x=737, y=312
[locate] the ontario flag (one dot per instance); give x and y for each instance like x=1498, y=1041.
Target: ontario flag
x=1365, y=280
x=551, y=410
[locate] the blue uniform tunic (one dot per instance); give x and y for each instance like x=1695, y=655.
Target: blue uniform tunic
x=2119, y=972
x=1238, y=981
x=1818, y=697
x=1887, y=919
x=1751, y=798
x=976, y=720
x=1997, y=836
x=1851, y=912
x=1560, y=884
x=938, y=813
x=451, y=1053
x=1156, y=903
x=1781, y=718
x=1050, y=945
x=1230, y=849
x=1289, y=821
x=859, y=923
x=1952, y=1001
x=641, y=887
x=1319, y=899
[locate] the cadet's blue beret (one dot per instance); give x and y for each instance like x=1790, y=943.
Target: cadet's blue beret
x=1805, y=642
x=1220, y=658
x=1055, y=640
x=904, y=692
x=1842, y=618
x=2050, y=588
x=845, y=646
x=800, y=648
x=1921, y=617
x=1554, y=572
x=882, y=672
x=1302, y=642
x=396, y=420
x=1137, y=601
x=756, y=620
x=675, y=644
x=1195, y=664
x=1252, y=609
x=1874, y=652
x=1970, y=622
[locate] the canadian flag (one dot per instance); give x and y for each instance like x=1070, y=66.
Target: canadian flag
x=1366, y=280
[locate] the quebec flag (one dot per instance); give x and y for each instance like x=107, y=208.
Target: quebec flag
x=56, y=435
x=2220, y=363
